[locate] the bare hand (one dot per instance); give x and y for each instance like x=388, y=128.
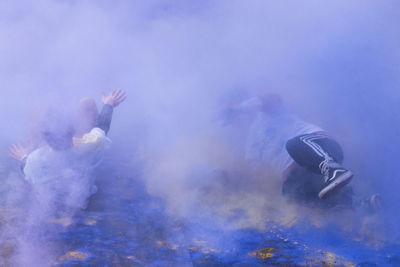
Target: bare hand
x=114, y=99
x=17, y=151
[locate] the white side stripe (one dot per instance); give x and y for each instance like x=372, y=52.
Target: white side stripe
x=308, y=140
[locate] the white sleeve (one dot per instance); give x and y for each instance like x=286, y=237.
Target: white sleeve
x=93, y=140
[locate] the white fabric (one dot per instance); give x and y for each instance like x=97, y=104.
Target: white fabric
x=268, y=134
x=90, y=148
x=44, y=163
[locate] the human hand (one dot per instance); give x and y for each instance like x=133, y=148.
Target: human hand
x=114, y=99
x=17, y=151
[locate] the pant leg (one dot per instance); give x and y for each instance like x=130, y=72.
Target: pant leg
x=310, y=150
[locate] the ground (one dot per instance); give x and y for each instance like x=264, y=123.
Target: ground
x=125, y=226
x=135, y=231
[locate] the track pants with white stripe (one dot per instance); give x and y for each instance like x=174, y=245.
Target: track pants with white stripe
x=311, y=150
x=305, y=179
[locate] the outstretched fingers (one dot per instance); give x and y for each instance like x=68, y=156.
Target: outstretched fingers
x=121, y=97
x=13, y=151
x=14, y=148
x=116, y=93
x=17, y=151
x=114, y=98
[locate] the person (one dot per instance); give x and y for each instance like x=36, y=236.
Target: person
x=59, y=172
x=308, y=159
x=65, y=144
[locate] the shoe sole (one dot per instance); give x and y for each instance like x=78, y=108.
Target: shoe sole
x=336, y=185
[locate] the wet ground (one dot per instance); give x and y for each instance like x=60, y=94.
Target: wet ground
x=125, y=226
x=132, y=229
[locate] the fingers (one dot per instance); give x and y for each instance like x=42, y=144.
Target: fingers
x=13, y=156
x=118, y=97
x=13, y=148
x=115, y=98
x=116, y=93
x=17, y=151
x=17, y=147
x=121, y=97
x=13, y=151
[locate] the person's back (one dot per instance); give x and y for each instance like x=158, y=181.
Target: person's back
x=269, y=132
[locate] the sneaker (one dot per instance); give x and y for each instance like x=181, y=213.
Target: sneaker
x=335, y=178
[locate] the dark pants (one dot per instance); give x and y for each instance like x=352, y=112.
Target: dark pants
x=310, y=150
x=305, y=179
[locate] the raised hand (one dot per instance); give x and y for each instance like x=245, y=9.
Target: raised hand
x=114, y=99
x=17, y=151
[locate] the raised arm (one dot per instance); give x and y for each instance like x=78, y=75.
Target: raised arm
x=110, y=102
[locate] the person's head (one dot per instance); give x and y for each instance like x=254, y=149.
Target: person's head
x=57, y=130
x=86, y=116
x=271, y=102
